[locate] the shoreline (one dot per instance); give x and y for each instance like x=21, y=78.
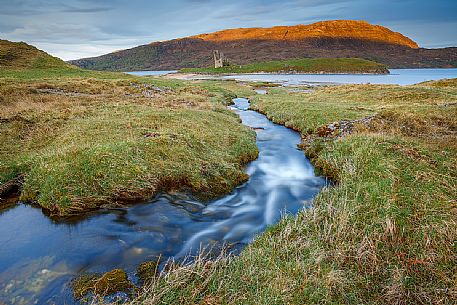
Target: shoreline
x=282, y=73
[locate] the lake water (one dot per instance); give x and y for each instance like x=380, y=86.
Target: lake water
x=396, y=76
x=151, y=73
x=40, y=256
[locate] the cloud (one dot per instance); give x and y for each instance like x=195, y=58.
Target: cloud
x=81, y=28
x=56, y=32
x=87, y=10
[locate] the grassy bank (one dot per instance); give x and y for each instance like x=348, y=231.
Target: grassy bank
x=304, y=65
x=384, y=234
x=81, y=139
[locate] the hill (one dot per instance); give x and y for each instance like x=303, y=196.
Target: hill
x=327, y=39
x=19, y=60
x=19, y=55
x=304, y=65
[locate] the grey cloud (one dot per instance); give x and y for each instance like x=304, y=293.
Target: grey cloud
x=87, y=10
x=80, y=28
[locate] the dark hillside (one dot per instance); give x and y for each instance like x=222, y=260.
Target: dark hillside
x=330, y=39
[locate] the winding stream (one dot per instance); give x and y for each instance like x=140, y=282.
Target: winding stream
x=39, y=256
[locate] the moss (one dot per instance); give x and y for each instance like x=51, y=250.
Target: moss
x=84, y=284
x=102, y=285
x=146, y=271
x=312, y=147
x=326, y=169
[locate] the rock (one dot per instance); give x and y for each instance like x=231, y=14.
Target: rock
x=83, y=285
x=146, y=271
x=341, y=128
x=103, y=285
x=257, y=128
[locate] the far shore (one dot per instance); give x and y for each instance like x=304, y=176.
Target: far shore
x=202, y=75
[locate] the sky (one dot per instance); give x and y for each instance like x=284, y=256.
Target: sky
x=75, y=29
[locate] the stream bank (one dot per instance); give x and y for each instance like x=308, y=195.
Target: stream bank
x=45, y=255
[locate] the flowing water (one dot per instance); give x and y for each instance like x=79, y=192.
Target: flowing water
x=39, y=256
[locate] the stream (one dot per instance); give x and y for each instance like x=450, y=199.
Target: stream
x=40, y=256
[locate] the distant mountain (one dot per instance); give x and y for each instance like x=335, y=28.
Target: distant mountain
x=326, y=39
x=325, y=29
x=19, y=55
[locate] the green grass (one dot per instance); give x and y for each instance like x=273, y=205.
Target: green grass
x=21, y=56
x=384, y=234
x=304, y=65
x=303, y=111
x=109, y=154
x=55, y=73
x=23, y=62
x=85, y=138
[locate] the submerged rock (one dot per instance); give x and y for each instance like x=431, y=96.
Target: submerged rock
x=22, y=282
x=83, y=285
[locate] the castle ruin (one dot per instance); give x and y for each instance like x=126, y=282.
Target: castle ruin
x=219, y=59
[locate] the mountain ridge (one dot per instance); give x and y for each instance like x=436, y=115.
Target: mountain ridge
x=330, y=28
x=325, y=39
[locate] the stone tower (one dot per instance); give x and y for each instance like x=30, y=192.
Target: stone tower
x=218, y=59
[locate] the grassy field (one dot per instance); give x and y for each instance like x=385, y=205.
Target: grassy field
x=81, y=139
x=385, y=233
x=304, y=65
